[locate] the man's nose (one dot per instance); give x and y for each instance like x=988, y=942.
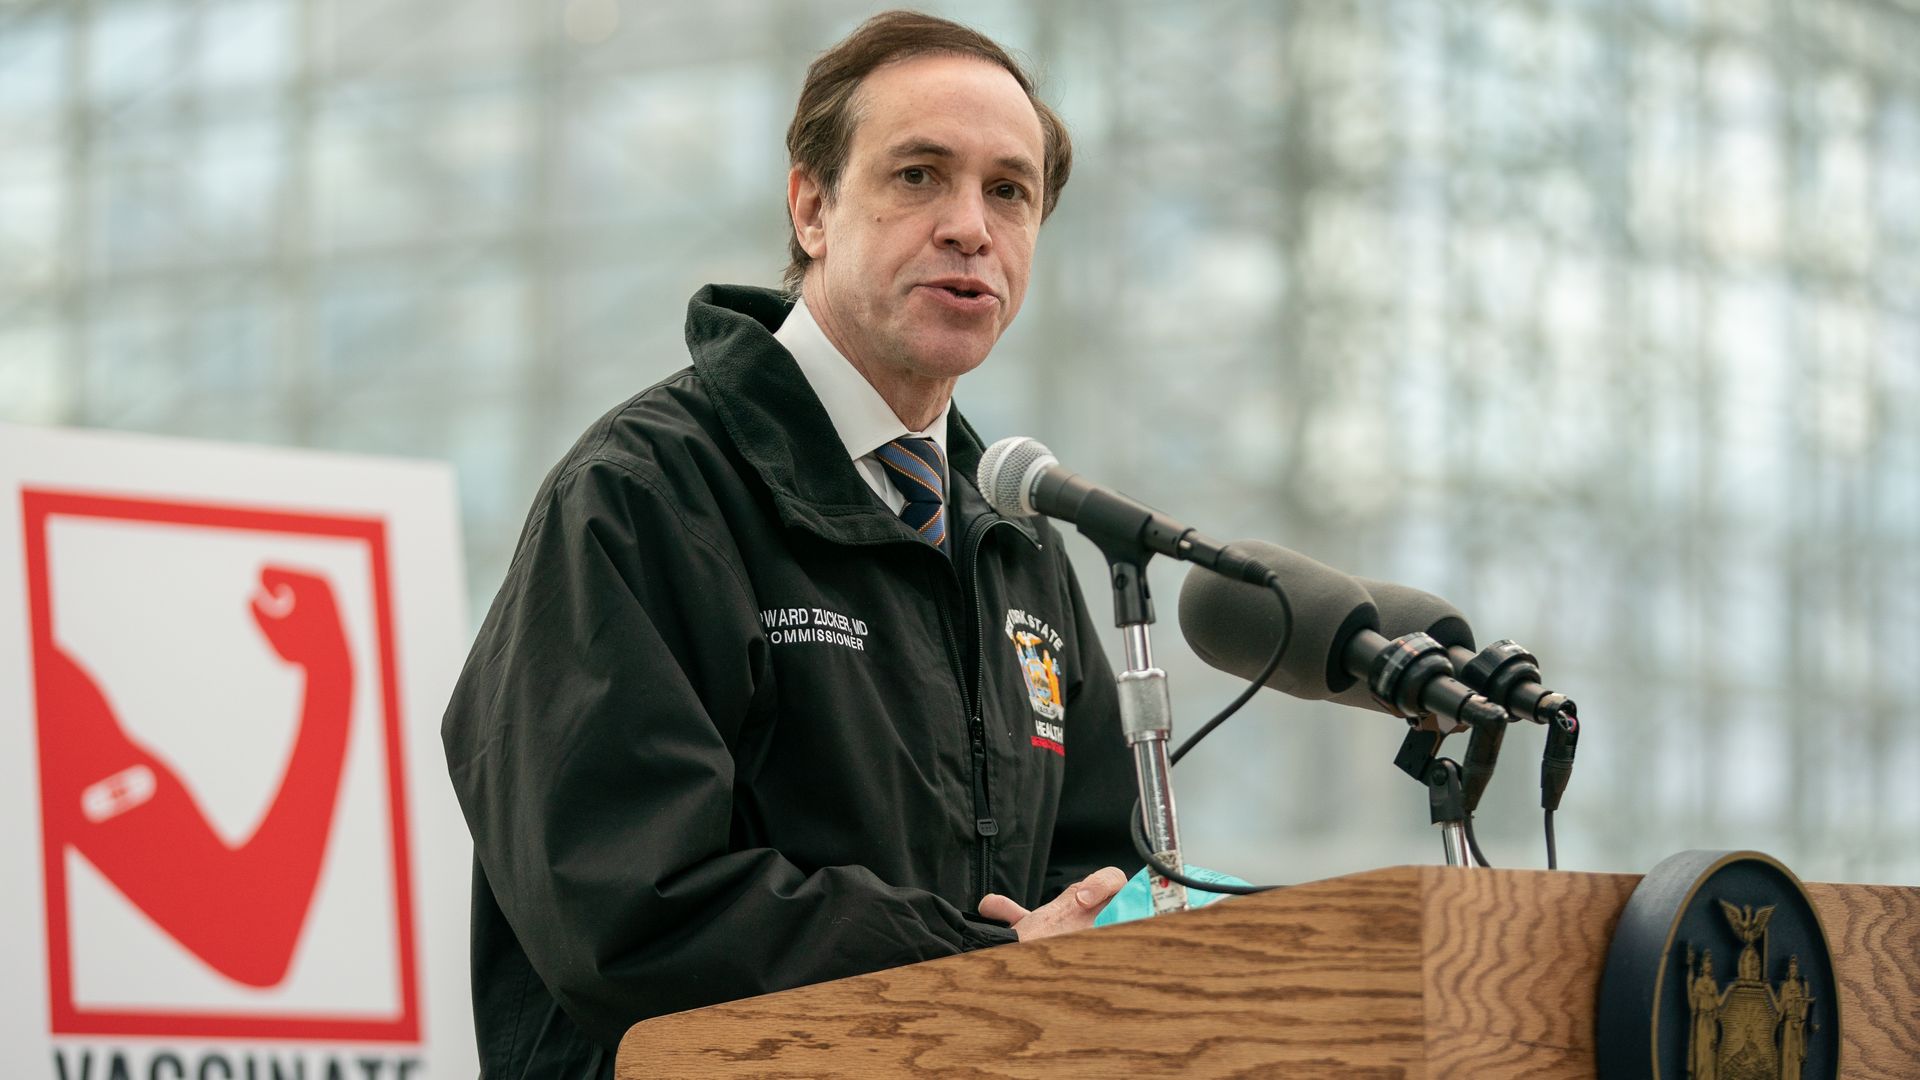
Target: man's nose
x=963, y=224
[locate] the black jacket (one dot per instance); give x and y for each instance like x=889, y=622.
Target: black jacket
x=730, y=727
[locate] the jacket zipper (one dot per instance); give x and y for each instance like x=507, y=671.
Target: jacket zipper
x=985, y=826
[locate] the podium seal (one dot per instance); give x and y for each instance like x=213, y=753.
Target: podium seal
x=1719, y=970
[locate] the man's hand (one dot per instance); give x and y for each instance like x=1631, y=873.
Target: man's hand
x=1074, y=909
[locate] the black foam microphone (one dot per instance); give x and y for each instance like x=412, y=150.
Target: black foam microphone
x=1504, y=671
x=1333, y=639
x=1408, y=609
x=1233, y=627
x=1020, y=476
x=1405, y=610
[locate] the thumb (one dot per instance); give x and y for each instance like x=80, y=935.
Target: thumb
x=995, y=906
x=1097, y=888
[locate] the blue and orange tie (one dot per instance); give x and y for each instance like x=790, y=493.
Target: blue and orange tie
x=917, y=467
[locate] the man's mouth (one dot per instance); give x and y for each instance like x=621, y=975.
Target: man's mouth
x=962, y=287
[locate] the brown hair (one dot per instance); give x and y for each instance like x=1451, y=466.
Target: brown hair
x=822, y=130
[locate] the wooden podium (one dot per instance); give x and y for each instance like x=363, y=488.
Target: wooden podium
x=1407, y=972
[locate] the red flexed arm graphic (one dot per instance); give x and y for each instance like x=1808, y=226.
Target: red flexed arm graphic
x=241, y=908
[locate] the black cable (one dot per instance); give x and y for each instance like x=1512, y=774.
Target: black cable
x=1553, y=856
x=1473, y=844
x=1253, y=686
x=1142, y=849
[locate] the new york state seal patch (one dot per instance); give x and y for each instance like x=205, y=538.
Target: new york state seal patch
x=1719, y=970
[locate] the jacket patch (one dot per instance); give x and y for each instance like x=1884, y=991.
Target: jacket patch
x=813, y=626
x=1037, y=648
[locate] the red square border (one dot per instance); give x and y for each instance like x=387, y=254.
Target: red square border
x=37, y=506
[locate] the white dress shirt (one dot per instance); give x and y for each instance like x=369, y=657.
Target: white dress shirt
x=861, y=417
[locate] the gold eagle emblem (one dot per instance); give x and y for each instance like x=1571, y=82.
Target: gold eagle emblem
x=1747, y=1029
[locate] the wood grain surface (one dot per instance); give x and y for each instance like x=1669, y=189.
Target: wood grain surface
x=1513, y=962
x=1326, y=984
x=1411, y=972
x=1873, y=932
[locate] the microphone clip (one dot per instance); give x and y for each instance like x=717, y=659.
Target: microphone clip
x=1448, y=802
x=1132, y=600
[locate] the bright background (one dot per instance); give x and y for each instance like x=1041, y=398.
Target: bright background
x=1598, y=318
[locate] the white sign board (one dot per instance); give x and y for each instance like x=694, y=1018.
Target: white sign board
x=231, y=846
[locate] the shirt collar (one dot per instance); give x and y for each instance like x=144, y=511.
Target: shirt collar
x=861, y=417
x=772, y=416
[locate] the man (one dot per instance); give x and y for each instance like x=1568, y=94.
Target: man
x=769, y=695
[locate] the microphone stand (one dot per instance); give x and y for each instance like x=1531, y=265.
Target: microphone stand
x=1446, y=796
x=1146, y=717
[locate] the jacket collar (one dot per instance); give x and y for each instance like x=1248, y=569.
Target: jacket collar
x=784, y=433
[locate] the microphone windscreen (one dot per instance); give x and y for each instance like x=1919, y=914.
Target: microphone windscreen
x=1406, y=610
x=1234, y=626
x=1002, y=475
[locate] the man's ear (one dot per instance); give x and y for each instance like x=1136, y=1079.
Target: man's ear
x=807, y=206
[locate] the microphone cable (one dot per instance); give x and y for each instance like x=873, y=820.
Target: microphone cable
x=1473, y=843
x=1556, y=768
x=1253, y=686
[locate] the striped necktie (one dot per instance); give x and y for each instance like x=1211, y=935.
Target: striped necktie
x=916, y=467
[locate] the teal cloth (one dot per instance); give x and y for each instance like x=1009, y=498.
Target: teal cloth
x=1135, y=899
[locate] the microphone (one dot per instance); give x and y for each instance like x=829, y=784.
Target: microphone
x=1405, y=610
x=1505, y=672
x=1234, y=628
x=1020, y=477
x=1333, y=639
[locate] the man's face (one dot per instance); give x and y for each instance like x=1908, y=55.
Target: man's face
x=921, y=259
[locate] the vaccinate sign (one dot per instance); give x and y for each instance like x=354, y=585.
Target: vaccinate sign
x=231, y=849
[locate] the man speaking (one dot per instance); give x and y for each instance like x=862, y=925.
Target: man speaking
x=769, y=695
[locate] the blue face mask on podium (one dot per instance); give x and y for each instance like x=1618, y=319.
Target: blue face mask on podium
x=1135, y=900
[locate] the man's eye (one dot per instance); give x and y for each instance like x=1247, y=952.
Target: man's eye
x=1010, y=192
x=914, y=174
